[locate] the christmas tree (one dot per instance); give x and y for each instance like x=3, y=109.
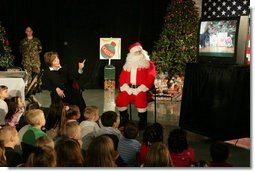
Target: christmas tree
x=177, y=44
x=6, y=57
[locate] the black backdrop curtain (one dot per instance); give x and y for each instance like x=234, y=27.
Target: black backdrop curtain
x=216, y=101
x=73, y=28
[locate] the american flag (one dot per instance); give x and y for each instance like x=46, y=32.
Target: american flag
x=225, y=8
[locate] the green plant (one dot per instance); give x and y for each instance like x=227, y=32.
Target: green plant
x=6, y=57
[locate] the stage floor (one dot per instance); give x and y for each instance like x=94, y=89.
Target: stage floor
x=168, y=113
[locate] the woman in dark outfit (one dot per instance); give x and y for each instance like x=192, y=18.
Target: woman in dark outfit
x=61, y=82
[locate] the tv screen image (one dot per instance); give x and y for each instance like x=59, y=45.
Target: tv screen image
x=223, y=40
x=217, y=38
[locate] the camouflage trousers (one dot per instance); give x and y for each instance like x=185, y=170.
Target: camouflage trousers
x=32, y=66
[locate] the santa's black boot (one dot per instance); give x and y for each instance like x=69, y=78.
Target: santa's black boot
x=143, y=120
x=124, y=117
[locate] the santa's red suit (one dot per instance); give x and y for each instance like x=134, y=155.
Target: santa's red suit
x=136, y=79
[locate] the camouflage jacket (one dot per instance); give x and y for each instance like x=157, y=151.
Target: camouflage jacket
x=30, y=47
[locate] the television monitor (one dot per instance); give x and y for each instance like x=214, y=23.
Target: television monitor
x=223, y=40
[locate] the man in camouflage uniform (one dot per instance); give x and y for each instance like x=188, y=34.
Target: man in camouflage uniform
x=30, y=48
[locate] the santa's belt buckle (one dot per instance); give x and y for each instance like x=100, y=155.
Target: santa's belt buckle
x=133, y=86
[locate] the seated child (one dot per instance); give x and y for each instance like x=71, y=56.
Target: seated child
x=16, y=108
x=181, y=153
x=10, y=138
x=219, y=153
x=36, y=119
x=91, y=115
x=128, y=146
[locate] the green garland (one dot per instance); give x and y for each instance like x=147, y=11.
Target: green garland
x=6, y=57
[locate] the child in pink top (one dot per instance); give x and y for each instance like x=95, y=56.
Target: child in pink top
x=16, y=108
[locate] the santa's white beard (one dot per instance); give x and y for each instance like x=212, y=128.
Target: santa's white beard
x=136, y=61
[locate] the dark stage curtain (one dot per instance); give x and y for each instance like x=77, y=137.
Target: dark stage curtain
x=216, y=101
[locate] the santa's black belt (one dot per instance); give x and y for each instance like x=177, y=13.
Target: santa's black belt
x=133, y=86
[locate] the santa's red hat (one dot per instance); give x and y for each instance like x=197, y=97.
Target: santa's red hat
x=135, y=47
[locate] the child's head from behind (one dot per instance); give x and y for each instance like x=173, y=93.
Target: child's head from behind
x=153, y=133
x=9, y=135
x=158, y=156
x=101, y=152
x=177, y=141
x=44, y=141
x=33, y=105
x=35, y=117
x=110, y=119
x=91, y=113
x=219, y=151
x=73, y=130
x=72, y=112
x=3, y=92
x=130, y=130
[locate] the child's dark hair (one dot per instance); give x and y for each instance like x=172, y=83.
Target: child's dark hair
x=130, y=130
x=108, y=118
x=33, y=105
x=219, y=151
x=12, y=107
x=153, y=133
x=177, y=141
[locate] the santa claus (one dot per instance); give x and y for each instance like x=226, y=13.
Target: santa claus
x=136, y=79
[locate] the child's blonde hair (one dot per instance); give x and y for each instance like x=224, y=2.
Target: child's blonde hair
x=34, y=116
x=90, y=112
x=6, y=133
x=73, y=129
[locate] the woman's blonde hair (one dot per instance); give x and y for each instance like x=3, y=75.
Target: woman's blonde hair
x=49, y=57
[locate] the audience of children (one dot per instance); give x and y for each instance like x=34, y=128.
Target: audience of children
x=110, y=123
x=105, y=146
x=181, y=153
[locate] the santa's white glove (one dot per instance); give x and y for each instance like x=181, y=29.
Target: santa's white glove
x=126, y=88
x=142, y=88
